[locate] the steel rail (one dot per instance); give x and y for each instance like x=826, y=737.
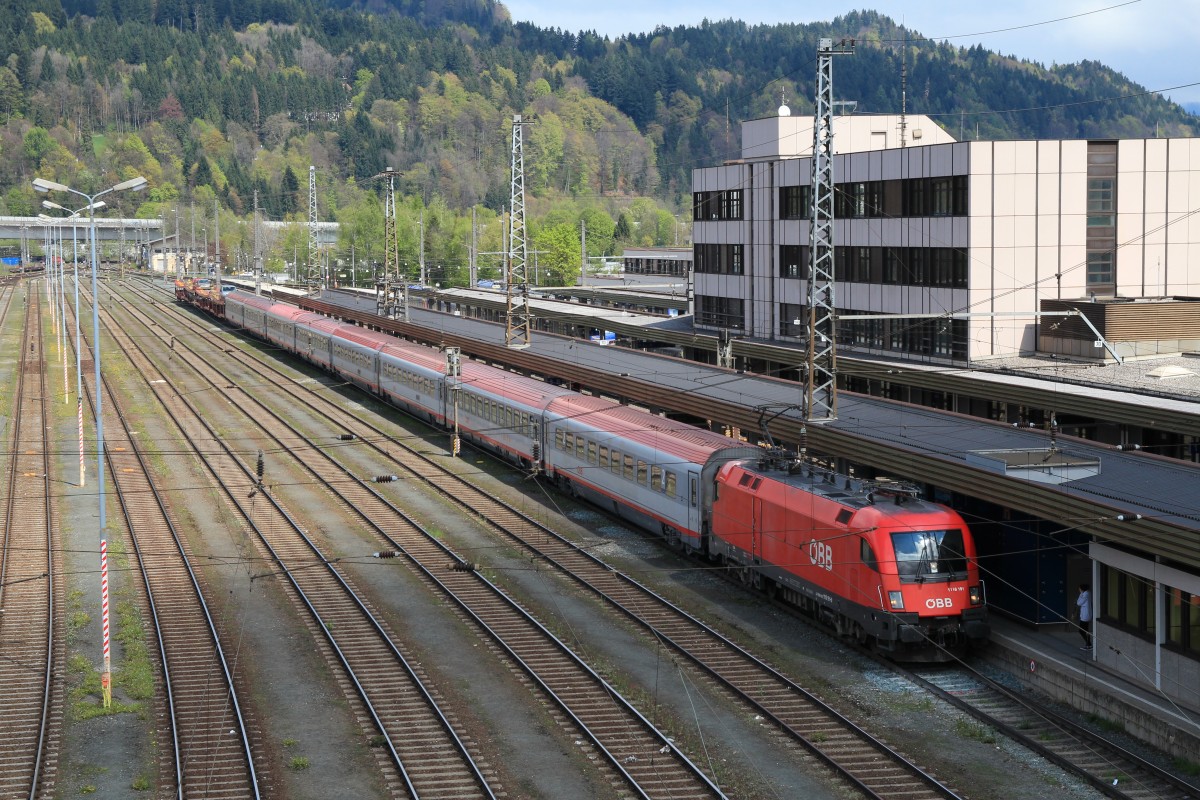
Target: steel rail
x=1145, y=776
x=617, y=761
x=185, y=621
x=28, y=532
x=485, y=507
x=350, y=594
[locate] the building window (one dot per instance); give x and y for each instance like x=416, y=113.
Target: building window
x=1101, y=216
x=719, y=259
x=859, y=200
x=1127, y=601
x=731, y=204
x=1100, y=269
x=941, y=197
x=794, y=202
x=935, y=197
x=1101, y=202
x=793, y=319
x=943, y=338
x=1183, y=620
x=860, y=264
x=721, y=312
x=793, y=261
x=720, y=205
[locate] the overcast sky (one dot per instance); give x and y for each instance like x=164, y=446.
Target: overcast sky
x=1152, y=42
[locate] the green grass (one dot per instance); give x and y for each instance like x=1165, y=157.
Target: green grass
x=135, y=674
x=1106, y=725
x=1186, y=766
x=289, y=742
x=140, y=784
x=298, y=763
x=967, y=729
x=134, y=671
x=910, y=702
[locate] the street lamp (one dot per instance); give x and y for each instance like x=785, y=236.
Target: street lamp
x=133, y=185
x=59, y=288
x=74, y=217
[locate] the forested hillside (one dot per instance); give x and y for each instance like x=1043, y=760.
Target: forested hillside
x=216, y=100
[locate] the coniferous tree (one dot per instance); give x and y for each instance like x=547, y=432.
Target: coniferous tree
x=289, y=190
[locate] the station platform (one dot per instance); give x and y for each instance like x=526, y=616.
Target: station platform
x=1051, y=660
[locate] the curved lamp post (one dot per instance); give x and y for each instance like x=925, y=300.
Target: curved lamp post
x=134, y=184
x=74, y=217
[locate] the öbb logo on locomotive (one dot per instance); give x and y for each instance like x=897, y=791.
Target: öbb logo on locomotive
x=820, y=554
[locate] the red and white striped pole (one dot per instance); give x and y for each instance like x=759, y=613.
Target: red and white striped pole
x=106, y=675
x=82, y=469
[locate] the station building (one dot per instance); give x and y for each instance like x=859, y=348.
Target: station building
x=928, y=225
x=970, y=240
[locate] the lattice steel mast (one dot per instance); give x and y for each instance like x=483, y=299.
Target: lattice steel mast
x=518, y=319
x=820, y=391
x=314, y=258
x=390, y=300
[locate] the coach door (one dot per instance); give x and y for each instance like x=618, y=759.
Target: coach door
x=693, y=501
x=756, y=528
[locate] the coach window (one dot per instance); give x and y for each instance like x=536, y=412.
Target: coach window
x=693, y=491
x=627, y=471
x=603, y=457
x=641, y=472
x=591, y=448
x=579, y=447
x=570, y=442
x=656, y=478
x=670, y=484
x=616, y=462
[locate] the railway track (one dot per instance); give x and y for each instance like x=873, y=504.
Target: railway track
x=866, y=762
x=203, y=734
x=31, y=671
x=632, y=746
x=1108, y=767
x=421, y=750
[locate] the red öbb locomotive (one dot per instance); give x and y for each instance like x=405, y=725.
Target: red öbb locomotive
x=872, y=560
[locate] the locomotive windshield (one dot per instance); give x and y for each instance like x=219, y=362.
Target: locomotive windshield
x=929, y=555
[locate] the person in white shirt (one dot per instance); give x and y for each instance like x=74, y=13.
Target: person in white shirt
x=1084, y=601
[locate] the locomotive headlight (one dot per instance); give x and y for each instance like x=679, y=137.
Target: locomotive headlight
x=896, y=599
x=976, y=594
